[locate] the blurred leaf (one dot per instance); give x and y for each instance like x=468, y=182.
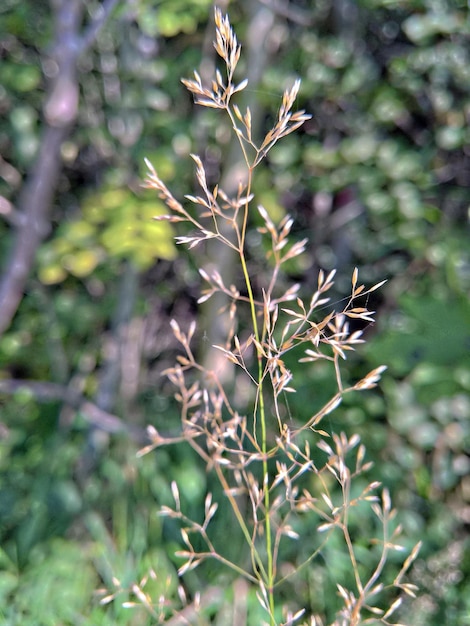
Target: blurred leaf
x=423, y=330
x=421, y=27
x=19, y=78
x=81, y=263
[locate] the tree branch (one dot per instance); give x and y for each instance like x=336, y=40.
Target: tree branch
x=35, y=201
x=93, y=29
x=60, y=112
x=110, y=375
x=289, y=11
x=53, y=392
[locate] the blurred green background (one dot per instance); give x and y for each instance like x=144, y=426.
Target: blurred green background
x=378, y=179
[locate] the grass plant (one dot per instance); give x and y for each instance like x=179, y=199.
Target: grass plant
x=273, y=470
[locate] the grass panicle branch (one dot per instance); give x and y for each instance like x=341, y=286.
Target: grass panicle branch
x=262, y=458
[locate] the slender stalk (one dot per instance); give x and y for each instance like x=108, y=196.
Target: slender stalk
x=262, y=412
x=255, y=557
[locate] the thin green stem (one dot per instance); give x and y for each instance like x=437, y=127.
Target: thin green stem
x=255, y=557
x=262, y=412
x=269, y=575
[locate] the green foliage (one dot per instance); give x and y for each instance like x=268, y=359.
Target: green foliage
x=172, y=17
x=418, y=332
x=55, y=587
x=116, y=224
x=378, y=179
